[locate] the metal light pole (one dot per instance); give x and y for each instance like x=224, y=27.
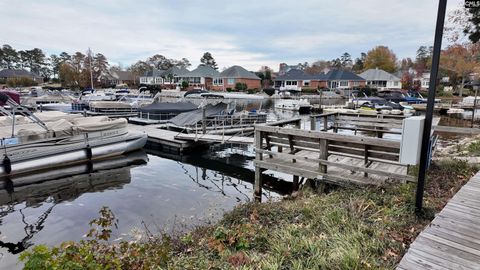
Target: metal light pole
x=437, y=45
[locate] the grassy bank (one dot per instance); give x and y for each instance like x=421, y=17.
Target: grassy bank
x=347, y=228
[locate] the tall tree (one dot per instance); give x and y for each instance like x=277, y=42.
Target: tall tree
x=346, y=60
x=208, y=60
x=336, y=63
x=140, y=68
x=55, y=62
x=359, y=64
x=381, y=57
x=10, y=56
x=423, y=60
x=461, y=59
x=159, y=61
x=318, y=67
x=472, y=30
x=100, y=65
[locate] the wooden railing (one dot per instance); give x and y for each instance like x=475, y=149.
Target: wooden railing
x=304, y=153
x=378, y=124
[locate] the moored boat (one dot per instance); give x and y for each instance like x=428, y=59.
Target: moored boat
x=30, y=144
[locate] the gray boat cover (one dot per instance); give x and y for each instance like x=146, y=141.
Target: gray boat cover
x=64, y=128
x=168, y=107
x=193, y=117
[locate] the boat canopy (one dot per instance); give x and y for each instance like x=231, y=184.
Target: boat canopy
x=168, y=107
x=4, y=95
x=193, y=117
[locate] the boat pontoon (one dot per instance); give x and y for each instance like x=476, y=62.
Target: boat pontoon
x=32, y=144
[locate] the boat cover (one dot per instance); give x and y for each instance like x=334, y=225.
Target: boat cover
x=193, y=117
x=64, y=127
x=168, y=107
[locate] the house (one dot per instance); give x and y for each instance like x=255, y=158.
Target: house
x=423, y=80
x=233, y=75
x=201, y=77
x=19, y=73
x=168, y=78
x=116, y=77
x=296, y=79
x=343, y=79
x=378, y=78
x=284, y=68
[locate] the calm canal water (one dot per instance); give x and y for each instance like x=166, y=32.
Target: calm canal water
x=149, y=186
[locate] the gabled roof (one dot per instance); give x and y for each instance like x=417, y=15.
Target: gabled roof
x=300, y=75
x=15, y=73
x=342, y=75
x=238, y=72
x=120, y=75
x=378, y=75
x=202, y=71
x=175, y=71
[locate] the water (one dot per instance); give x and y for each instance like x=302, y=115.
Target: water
x=156, y=188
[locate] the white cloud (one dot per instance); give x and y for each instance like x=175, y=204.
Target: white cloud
x=249, y=33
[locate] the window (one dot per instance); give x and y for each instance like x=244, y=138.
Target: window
x=306, y=83
x=218, y=81
x=158, y=80
x=395, y=83
x=356, y=83
x=230, y=81
x=291, y=82
x=343, y=83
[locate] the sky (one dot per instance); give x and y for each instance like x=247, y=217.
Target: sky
x=250, y=33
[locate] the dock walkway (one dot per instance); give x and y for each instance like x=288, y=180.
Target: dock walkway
x=452, y=240
x=163, y=137
x=215, y=138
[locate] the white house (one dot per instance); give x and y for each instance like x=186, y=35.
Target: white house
x=163, y=77
x=381, y=79
x=423, y=81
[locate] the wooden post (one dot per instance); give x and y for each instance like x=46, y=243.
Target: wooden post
x=325, y=123
x=298, y=123
x=366, y=159
x=313, y=122
x=258, y=171
x=295, y=183
x=323, y=146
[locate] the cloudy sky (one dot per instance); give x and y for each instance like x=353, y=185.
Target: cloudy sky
x=250, y=33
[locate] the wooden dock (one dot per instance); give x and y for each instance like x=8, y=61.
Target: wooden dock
x=452, y=240
x=164, y=138
x=328, y=157
x=211, y=138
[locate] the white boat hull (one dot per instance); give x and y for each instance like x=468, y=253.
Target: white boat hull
x=51, y=154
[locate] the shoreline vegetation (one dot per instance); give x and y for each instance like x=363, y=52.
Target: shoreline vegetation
x=339, y=228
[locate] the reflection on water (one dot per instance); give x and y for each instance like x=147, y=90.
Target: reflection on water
x=55, y=206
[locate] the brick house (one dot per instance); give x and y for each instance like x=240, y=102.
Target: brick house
x=201, y=77
x=19, y=73
x=116, y=77
x=343, y=79
x=168, y=78
x=233, y=75
x=296, y=79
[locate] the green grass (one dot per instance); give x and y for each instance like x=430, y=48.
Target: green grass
x=474, y=148
x=348, y=228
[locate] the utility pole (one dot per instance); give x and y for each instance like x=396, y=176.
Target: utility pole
x=424, y=155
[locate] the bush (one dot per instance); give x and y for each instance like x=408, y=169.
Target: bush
x=185, y=85
x=269, y=91
x=241, y=86
x=21, y=82
x=229, y=89
x=309, y=90
x=252, y=91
